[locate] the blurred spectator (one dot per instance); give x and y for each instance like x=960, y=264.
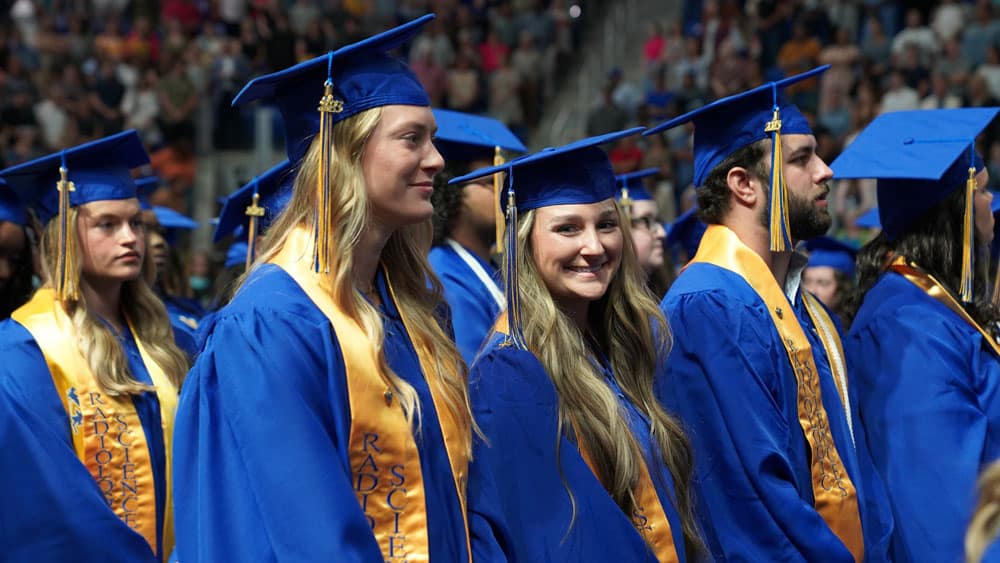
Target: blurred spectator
x=300, y=14
x=799, y=54
x=654, y=49
x=492, y=52
x=914, y=71
x=899, y=96
x=625, y=155
x=842, y=56
x=106, y=97
x=953, y=66
x=773, y=27
x=626, y=94
x=228, y=73
x=431, y=75
x=948, y=19
x=178, y=99
x=915, y=33
x=694, y=63
x=980, y=33
x=505, y=102
x=527, y=62
x=463, y=92
x=990, y=70
x=876, y=46
x=940, y=96
x=606, y=116
x=141, y=108
x=54, y=118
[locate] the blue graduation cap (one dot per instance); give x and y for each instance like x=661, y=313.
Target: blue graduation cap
x=144, y=188
x=576, y=173
x=686, y=231
x=237, y=254
x=631, y=188
x=172, y=222
x=96, y=171
x=828, y=251
x=11, y=208
x=919, y=158
x=99, y=170
x=352, y=79
x=869, y=219
x=466, y=137
x=729, y=124
x=253, y=207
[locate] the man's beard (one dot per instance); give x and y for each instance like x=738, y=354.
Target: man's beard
x=805, y=220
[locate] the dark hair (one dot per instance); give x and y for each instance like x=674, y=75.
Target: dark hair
x=933, y=243
x=18, y=289
x=713, y=197
x=447, y=202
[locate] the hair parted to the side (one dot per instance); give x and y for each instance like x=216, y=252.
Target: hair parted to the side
x=403, y=258
x=634, y=334
x=714, y=197
x=95, y=341
x=985, y=524
x=934, y=243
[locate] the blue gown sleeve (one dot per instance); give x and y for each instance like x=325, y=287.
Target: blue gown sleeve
x=926, y=425
x=723, y=381
x=261, y=426
x=52, y=509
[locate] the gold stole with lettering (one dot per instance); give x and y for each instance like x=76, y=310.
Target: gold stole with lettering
x=936, y=291
x=834, y=493
x=107, y=433
x=649, y=518
x=385, y=461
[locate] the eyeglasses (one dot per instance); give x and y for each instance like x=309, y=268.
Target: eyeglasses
x=649, y=223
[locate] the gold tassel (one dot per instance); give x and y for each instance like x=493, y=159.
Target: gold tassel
x=255, y=212
x=626, y=204
x=322, y=247
x=778, y=228
x=967, y=238
x=65, y=263
x=497, y=213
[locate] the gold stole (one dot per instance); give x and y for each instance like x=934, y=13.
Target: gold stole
x=834, y=493
x=649, y=518
x=385, y=461
x=107, y=433
x=936, y=291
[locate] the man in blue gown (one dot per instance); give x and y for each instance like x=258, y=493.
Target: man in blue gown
x=465, y=225
x=756, y=373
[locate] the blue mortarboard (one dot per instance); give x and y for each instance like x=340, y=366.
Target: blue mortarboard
x=686, y=231
x=171, y=221
x=274, y=188
x=632, y=182
x=237, y=254
x=465, y=137
x=919, y=158
x=869, y=219
x=828, y=251
x=576, y=173
x=362, y=74
x=144, y=188
x=100, y=170
x=11, y=208
x=727, y=125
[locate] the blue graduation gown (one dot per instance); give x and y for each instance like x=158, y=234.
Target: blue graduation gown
x=182, y=312
x=473, y=309
x=519, y=507
x=59, y=514
x=730, y=381
x=262, y=471
x=928, y=386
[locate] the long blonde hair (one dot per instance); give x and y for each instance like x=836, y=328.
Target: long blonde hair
x=630, y=328
x=985, y=524
x=403, y=257
x=95, y=341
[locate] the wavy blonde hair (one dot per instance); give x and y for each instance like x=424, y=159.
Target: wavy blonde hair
x=403, y=257
x=985, y=524
x=628, y=325
x=95, y=341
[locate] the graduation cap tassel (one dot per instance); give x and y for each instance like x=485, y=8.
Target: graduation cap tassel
x=328, y=106
x=255, y=212
x=65, y=264
x=967, y=237
x=513, y=297
x=626, y=203
x=778, y=205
